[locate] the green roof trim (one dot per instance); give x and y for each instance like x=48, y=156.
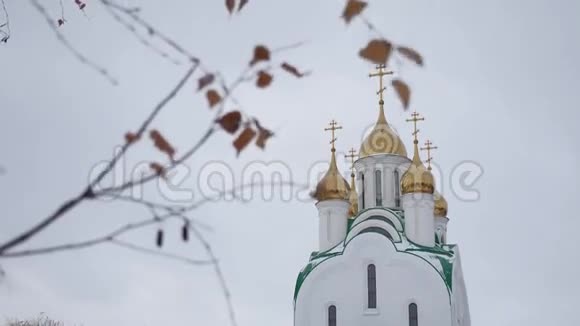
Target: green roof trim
x=434, y=250
x=349, y=223
x=306, y=270
x=447, y=271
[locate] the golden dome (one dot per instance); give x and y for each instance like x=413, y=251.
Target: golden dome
x=417, y=179
x=352, y=198
x=440, y=205
x=382, y=139
x=332, y=185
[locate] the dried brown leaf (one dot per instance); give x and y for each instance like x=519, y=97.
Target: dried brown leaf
x=377, y=51
x=204, y=81
x=263, y=136
x=230, y=121
x=261, y=53
x=411, y=54
x=131, y=138
x=352, y=9
x=244, y=139
x=292, y=70
x=230, y=5
x=161, y=143
x=403, y=91
x=158, y=168
x=264, y=79
x=213, y=97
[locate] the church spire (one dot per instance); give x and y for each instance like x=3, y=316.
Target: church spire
x=417, y=179
x=381, y=72
x=332, y=185
x=429, y=147
x=382, y=139
x=353, y=196
x=441, y=206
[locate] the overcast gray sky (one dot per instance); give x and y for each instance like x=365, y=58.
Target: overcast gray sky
x=499, y=88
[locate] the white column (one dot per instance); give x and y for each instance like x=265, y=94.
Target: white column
x=370, y=187
x=419, y=219
x=333, y=215
x=387, y=164
x=388, y=186
x=441, y=228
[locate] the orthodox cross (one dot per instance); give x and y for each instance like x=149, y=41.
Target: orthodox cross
x=414, y=118
x=381, y=72
x=333, y=126
x=352, y=156
x=429, y=147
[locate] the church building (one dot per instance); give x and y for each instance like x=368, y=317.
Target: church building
x=383, y=257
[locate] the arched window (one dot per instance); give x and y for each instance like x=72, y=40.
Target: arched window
x=397, y=188
x=379, y=188
x=332, y=315
x=371, y=286
x=413, y=319
x=362, y=191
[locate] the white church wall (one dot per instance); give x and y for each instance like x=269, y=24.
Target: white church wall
x=360, y=227
x=332, y=222
x=401, y=279
x=419, y=218
x=380, y=212
x=461, y=315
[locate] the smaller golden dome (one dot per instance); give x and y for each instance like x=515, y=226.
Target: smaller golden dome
x=332, y=185
x=440, y=205
x=382, y=139
x=352, y=198
x=417, y=179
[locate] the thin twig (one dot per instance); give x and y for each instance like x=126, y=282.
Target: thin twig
x=80, y=57
x=146, y=123
x=64, y=208
x=139, y=37
x=88, y=192
x=153, y=206
x=161, y=253
x=88, y=243
x=150, y=29
x=208, y=133
x=219, y=274
x=288, y=47
x=171, y=212
x=4, y=36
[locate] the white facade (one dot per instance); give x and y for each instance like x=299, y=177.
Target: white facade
x=384, y=267
x=405, y=275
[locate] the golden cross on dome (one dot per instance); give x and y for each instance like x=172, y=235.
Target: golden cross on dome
x=414, y=118
x=429, y=147
x=381, y=72
x=352, y=156
x=333, y=126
